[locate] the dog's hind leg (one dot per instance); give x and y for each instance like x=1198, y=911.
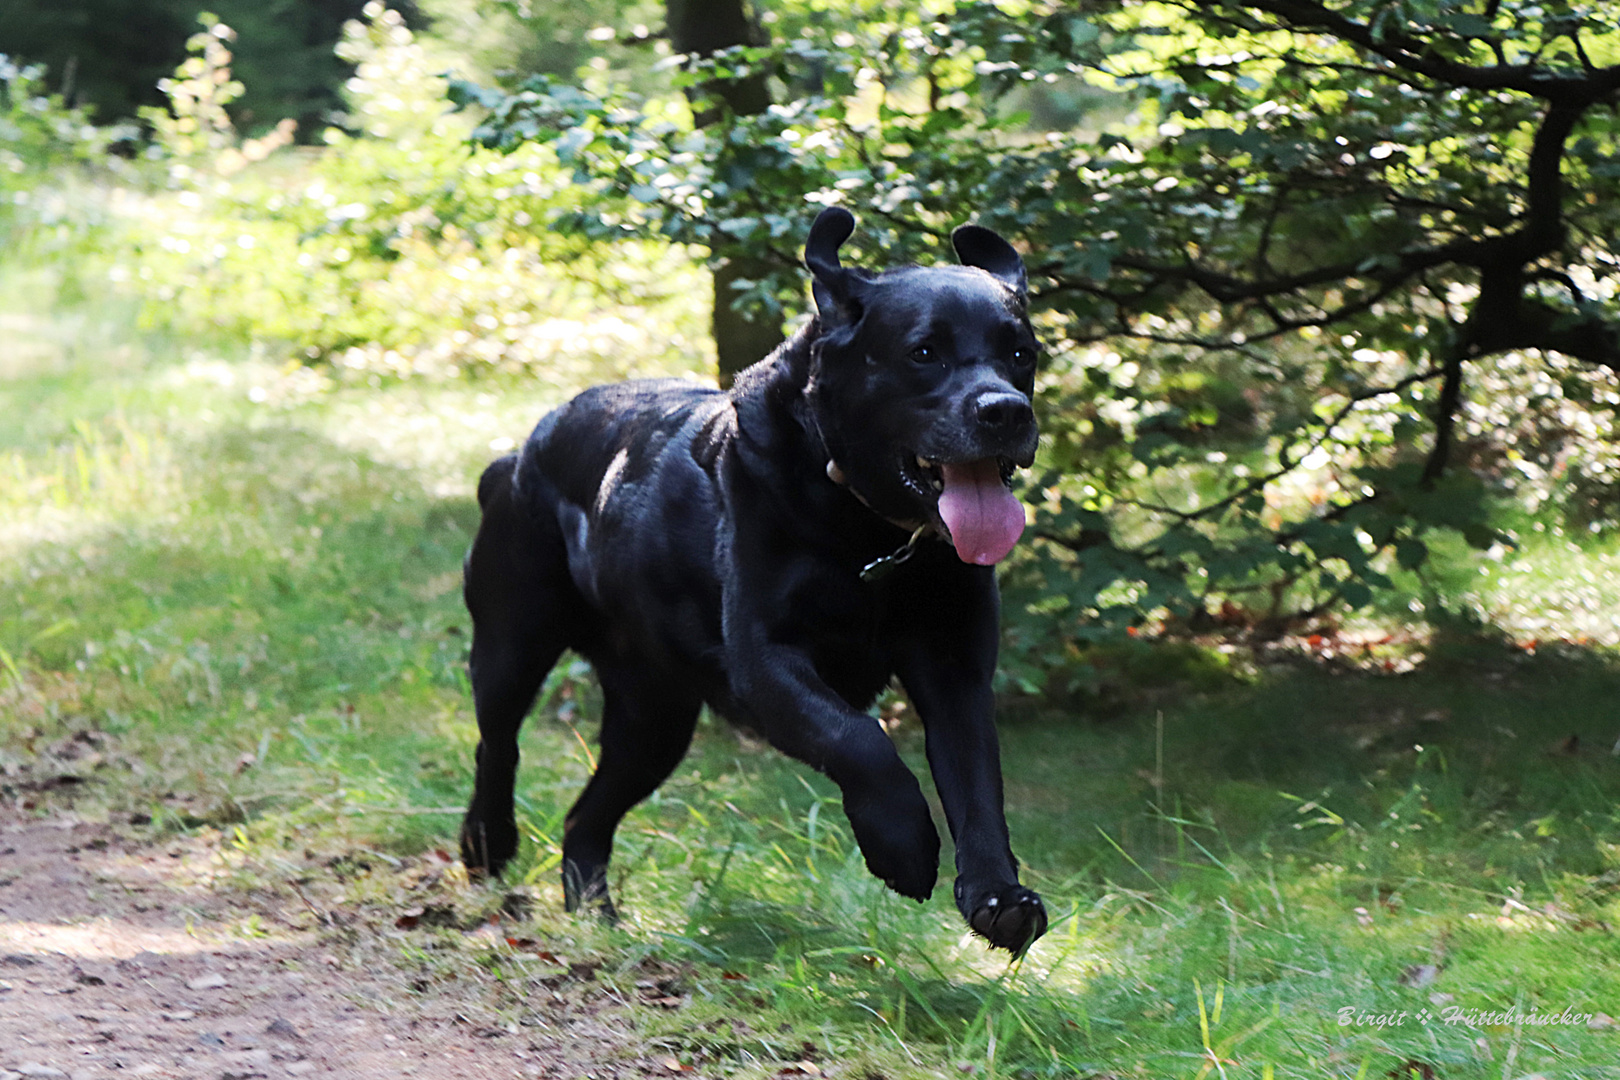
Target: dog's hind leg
x=521, y=599
x=647, y=724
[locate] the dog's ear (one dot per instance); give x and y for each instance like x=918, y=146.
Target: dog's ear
x=977, y=246
x=833, y=284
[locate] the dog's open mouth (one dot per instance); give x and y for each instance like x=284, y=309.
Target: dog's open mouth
x=975, y=503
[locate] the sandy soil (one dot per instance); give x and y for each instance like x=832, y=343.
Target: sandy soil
x=114, y=963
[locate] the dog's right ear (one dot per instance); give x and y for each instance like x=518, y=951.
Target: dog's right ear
x=834, y=286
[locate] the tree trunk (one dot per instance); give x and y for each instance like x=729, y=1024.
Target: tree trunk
x=703, y=27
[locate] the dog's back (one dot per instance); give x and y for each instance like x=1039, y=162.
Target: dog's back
x=624, y=476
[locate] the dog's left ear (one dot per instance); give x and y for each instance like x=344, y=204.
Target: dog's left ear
x=834, y=285
x=977, y=246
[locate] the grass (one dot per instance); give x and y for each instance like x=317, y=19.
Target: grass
x=240, y=586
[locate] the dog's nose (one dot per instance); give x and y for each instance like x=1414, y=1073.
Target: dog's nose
x=1002, y=411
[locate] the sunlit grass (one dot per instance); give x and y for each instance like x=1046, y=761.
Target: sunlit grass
x=246, y=580
x=1556, y=587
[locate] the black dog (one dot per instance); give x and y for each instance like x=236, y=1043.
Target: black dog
x=750, y=549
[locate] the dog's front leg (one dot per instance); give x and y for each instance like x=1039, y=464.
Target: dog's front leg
x=781, y=695
x=947, y=675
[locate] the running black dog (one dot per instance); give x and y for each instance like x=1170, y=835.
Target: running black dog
x=776, y=551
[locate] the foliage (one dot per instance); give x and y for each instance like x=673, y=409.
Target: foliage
x=196, y=125
x=394, y=250
x=1319, y=281
x=522, y=37
x=37, y=132
x=43, y=144
x=288, y=60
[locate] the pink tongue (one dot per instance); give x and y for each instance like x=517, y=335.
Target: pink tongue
x=984, y=518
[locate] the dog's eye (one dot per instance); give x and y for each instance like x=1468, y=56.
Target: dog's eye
x=1023, y=357
x=923, y=354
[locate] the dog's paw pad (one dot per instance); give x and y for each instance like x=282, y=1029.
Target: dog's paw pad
x=1011, y=919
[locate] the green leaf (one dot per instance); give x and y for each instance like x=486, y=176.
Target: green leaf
x=1410, y=553
x=1356, y=594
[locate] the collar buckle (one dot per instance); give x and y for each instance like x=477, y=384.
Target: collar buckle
x=880, y=568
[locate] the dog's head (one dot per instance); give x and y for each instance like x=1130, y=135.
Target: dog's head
x=921, y=385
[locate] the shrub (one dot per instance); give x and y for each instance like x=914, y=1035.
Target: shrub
x=396, y=249
x=45, y=148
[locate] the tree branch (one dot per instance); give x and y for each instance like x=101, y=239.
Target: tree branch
x=1417, y=56
x=1445, y=414
x=1285, y=466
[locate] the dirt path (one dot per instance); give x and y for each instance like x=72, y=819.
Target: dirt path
x=113, y=963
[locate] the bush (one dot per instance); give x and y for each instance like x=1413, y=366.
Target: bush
x=45, y=148
x=396, y=250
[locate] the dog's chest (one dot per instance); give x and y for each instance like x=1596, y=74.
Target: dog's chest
x=856, y=672
x=841, y=624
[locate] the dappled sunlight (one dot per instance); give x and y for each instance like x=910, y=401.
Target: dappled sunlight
x=1079, y=948
x=260, y=382
x=100, y=939
x=400, y=252
x=1552, y=590
x=444, y=437
x=102, y=478
x=564, y=352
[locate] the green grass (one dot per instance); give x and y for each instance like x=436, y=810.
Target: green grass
x=250, y=584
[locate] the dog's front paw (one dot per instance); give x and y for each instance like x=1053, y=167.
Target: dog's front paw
x=900, y=844
x=1010, y=918
x=487, y=846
